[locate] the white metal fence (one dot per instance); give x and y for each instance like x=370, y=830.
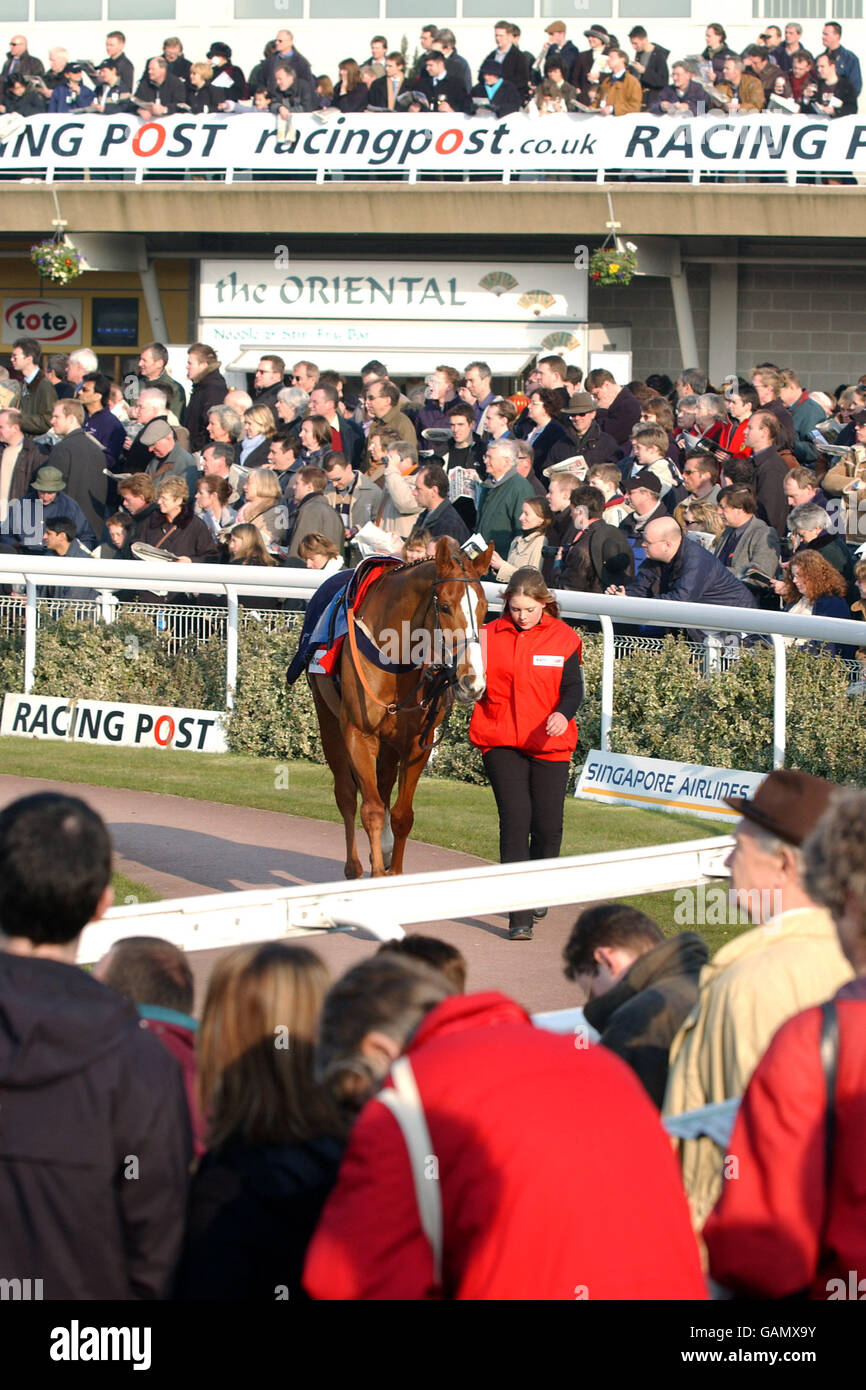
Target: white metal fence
x=231, y=580
x=381, y=907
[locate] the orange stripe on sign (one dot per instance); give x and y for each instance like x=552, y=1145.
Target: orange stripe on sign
x=664, y=801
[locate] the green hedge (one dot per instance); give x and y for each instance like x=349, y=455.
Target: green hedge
x=664, y=706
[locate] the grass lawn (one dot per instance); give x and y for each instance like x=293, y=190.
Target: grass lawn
x=448, y=813
x=129, y=890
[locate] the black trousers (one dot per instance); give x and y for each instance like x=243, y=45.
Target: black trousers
x=530, y=793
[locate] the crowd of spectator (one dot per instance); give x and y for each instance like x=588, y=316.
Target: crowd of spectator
x=390, y=1135
x=747, y=496
x=604, y=77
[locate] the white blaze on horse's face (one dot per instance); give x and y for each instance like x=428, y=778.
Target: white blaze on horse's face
x=472, y=681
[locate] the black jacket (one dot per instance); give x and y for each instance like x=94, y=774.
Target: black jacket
x=444, y=520
x=640, y=1016
x=186, y=535
x=505, y=101
x=82, y=462
x=514, y=68
x=656, y=75
x=169, y=93
x=600, y=556
x=770, y=473
x=378, y=93
x=208, y=390
x=621, y=417
x=268, y=397
x=353, y=101
x=252, y=1213
x=448, y=87
x=94, y=1138
x=564, y=55
x=594, y=445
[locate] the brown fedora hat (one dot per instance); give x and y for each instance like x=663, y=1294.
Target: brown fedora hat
x=788, y=804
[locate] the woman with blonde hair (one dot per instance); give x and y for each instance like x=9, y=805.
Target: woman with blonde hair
x=273, y=1135
x=524, y=724
x=259, y=429
x=265, y=505
x=174, y=526
x=535, y=519
x=700, y=520
x=246, y=546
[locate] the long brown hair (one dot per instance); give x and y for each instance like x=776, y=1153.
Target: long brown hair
x=255, y=1047
x=821, y=577
x=529, y=583
x=251, y=550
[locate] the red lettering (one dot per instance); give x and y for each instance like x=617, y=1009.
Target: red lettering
x=455, y=144
x=138, y=139
x=164, y=719
x=33, y=322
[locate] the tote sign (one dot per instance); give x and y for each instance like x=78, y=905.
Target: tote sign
x=124, y=726
x=658, y=785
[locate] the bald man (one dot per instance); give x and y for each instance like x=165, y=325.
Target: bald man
x=678, y=569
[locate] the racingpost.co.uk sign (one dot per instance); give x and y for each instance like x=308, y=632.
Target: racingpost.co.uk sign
x=435, y=142
x=658, y=785
x=112, y=724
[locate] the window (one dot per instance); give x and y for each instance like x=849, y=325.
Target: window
x=344, y=9
x=420, y=9
x=276, y=10
x=131, y=9
x=586, y=13
x=656, y=9
x=59, y=10
x=114, y=323
x=13, y=10
x=783, y=10
x=492, y=9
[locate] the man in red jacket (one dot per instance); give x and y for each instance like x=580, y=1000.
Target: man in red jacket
x=523, y=1133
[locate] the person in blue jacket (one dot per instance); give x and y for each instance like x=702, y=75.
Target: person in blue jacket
x=678, y=569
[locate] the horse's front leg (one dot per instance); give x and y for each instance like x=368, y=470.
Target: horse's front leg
x=363, y=751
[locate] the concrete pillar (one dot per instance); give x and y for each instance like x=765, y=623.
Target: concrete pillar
x=150, y=289
x=685, y=322
x=723, y=323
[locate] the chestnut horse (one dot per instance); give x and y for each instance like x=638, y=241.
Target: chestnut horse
x=378, y=727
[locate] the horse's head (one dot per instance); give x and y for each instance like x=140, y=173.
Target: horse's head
x=461, y=608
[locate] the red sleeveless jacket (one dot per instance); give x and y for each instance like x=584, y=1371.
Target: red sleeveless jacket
x=524, y=679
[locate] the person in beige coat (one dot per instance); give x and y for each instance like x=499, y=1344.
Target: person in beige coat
x=790, y=961
x=525, y=549
x=400, y=506
x=619, y=94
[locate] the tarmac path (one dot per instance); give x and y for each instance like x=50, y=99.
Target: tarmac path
x=182, y=848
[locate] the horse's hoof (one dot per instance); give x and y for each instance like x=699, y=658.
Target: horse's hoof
x=353, y=871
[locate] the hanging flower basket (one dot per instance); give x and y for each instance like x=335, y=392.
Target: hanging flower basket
x=56, y=260
x=613, y=266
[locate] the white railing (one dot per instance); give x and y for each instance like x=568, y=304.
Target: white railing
x=230, y=580
x=381, y=907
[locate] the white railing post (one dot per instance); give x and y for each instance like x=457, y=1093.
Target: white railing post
x=607, y=665
x=231, y=646
x=30, y=616
x=780, y=671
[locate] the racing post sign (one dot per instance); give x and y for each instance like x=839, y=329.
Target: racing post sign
x=435, y=143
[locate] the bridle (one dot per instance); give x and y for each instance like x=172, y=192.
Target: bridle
x=439, y=678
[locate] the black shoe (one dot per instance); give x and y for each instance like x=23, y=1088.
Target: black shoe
x=538, y=913
x=520, y=933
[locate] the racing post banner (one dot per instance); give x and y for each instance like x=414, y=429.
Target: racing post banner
x=658, y=785
x=102, y=721
x=770, y=142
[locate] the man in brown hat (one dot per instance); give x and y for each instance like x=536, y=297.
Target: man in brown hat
x=789, y=961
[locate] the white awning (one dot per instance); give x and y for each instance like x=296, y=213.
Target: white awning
x=400, y=361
